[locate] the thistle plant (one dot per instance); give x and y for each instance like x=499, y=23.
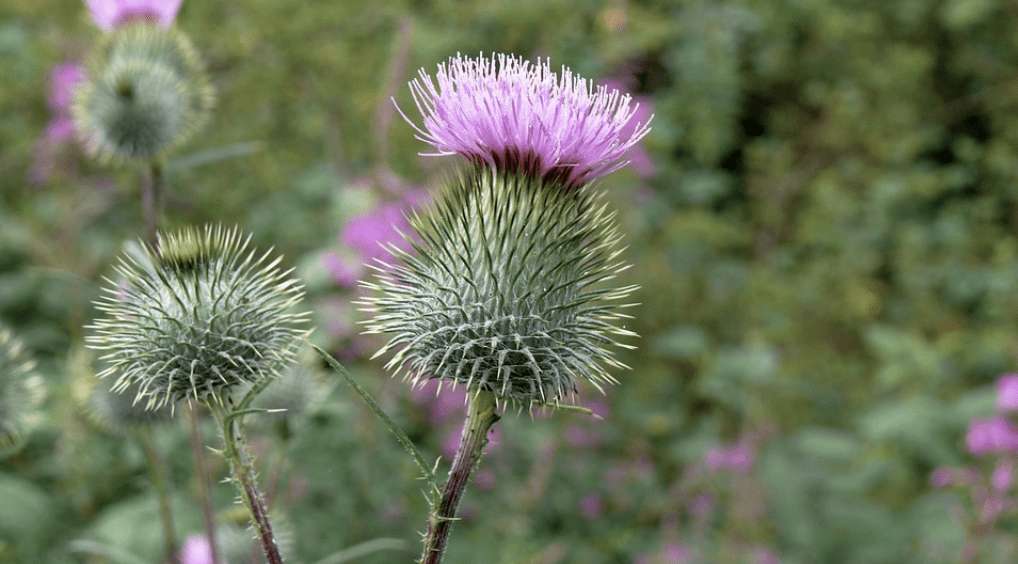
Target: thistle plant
x=509, y=287
x=147, y=92
x=21, y=391
x=197, y=317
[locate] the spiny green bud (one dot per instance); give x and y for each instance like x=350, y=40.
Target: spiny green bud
x=111, y=412
x=508, y=289
x=147, y=92
x=197, y=317
x=21, y=391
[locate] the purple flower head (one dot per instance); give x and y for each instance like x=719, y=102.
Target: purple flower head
x=196, y=550
x=367, y=233
x=1007, y=392
x=63, y=79
x=519, y=116
x=993, y=435
x=108, y=14
x=942, y=477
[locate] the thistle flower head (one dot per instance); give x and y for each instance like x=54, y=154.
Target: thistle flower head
x=147, y=92
x=21, y=390
x=509, y=288
x=197, y=317
x=109, y=14
x=520, y=116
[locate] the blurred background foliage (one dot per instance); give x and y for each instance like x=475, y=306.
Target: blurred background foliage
x=826, y=241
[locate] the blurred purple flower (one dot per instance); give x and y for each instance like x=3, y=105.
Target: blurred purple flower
x=196, y=550
x=519, y=116
x=485, y=479
x=581, y=436
x=63, y=80
x=108, y=14
x=765, y=556
x=942, y=477
x=367, y=233
x=441, y=407
x=701, y=506
x=591, y=507
x=1007, y=393
x=344, y=271
x=735, y=458
x=1003, y=476
x=993, y=435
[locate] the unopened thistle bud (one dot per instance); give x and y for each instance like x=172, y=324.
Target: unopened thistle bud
x=197, y=317
x=510, y=285
x=21, y=391
x=147, y=92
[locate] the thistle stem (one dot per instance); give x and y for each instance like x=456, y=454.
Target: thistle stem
x=201, y=475
x=243, y=470
x=481, y=417
x=157, y=474
x=152, y=200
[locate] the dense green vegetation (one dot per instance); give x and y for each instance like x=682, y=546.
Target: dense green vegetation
x=827, y=244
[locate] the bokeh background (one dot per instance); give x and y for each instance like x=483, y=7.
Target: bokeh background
x=823, y=221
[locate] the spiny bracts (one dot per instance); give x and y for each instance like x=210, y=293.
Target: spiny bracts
x=197, y=317
x=509, y=288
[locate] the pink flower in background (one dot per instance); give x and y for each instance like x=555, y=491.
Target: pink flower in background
x=63, y=80
x=765, y=556
x=1007, y=392
x=993, y=435
x=441, y=407
x=108, y=14
x=1003, y=476
x=522, y=117
x=196, y=550
x=367, y=233
x=735, y=458
x=344, y=271
x=942, y=477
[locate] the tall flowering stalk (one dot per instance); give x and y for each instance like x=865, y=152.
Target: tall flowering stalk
x=508, y=287
x=145, y=93
x=204, y=317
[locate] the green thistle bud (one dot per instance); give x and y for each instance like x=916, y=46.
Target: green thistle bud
x=111, y=412
x=21, y=391
x=147, y=92
x=198, y=317
x=509, y=290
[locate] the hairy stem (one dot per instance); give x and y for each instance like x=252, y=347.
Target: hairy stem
x=481, y=416
x=152, y=200
x=159, y=483
x=243, y=470
x=201, y=475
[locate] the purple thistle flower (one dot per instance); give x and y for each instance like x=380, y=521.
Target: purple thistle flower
x=591, y=507
x=367, y=233
x=108, y=14
x=1003, y=476
x=993, y=435
x=1007, y=392
x=520, y=116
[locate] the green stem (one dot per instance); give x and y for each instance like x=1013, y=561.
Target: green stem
x=481, y=416
x=242, y=468
x=152, y=200
x=156, y=472
x=401, y=436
